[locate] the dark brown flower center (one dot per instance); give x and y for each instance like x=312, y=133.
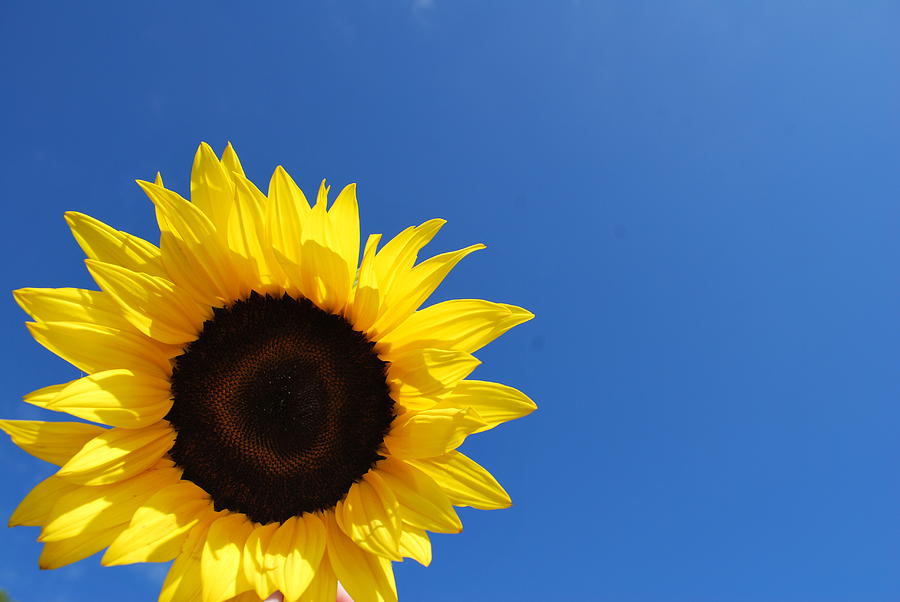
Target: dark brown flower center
x=279, y=408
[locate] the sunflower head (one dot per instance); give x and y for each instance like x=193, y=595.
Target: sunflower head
x=264, y=406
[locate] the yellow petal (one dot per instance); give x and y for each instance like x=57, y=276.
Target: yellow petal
x=193, y=252
x=103, y=243
x=80, y=305
x=220, y=562
x=117, y=454
x=153, y=305
x=366, y=577
x=380, y=271
x=286, y=211
x=161, y=525
x=322, y=196
x=211, y=186
x=304, y=558
x=35, y=509
x=93, y=348
x=422, y=502
x=459, y=325
x=429, y=433
x=184, y=581
x=249, y=239
x=370, y=516
x=414, y=543
x=60, y=553
x=278, y=548
x=464, y=481
x=72, y=305
x=44, y=397
x=122, y=398
x=295, y=551
x=98, y=508
x=427, y=372
x=362, y=311
x=230, y=161
x=323, y=270
x=495, y=403
x=342, y=237
x=54, y=442
x=253, y=559
x=395, y=259
x=409, y=292
x=324, y=583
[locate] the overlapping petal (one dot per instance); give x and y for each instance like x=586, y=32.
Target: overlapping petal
x=54, y=442
x=421, y=375
x=95, y=348
x=220, y=561
x=429, y=433
x=495, y=403
x=122, y=398
x=109, y=245
x=118, y=454
x=294, y=553
x=98, y=508
x=193, y=252
x=366, y=577
x=184, y=580
x=161, y=525
x=458, y=325
x=464, y=481
x=152, y=304
x=370, y=516
x=35, y=508
x=72, y=305
x=422, y=502
x=254, y=560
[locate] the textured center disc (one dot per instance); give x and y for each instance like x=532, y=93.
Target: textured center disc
x=279, y=408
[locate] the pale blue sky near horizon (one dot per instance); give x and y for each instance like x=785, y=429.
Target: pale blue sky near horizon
x=697, y=199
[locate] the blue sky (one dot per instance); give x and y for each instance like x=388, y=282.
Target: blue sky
x=698, y=200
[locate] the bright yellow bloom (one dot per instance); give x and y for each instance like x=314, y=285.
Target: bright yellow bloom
x=283, y=415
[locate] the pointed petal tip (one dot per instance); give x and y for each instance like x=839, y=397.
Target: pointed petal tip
x=521, y=314
x=520, y=311
x=147, y=186
x=437, y=222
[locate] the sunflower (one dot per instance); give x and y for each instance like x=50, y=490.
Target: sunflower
x=269, y=410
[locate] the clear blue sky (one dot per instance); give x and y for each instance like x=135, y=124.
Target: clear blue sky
x=698, y=200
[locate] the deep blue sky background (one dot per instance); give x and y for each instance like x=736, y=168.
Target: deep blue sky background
x=698, y=199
